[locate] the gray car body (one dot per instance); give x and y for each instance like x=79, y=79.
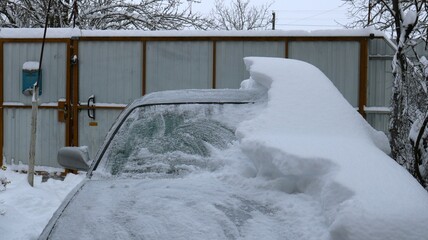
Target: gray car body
x=217, y=96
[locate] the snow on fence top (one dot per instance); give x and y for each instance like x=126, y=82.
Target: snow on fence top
x=70, y=32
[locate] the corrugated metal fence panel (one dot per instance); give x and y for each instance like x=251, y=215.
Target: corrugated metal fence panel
x=379, y=83
x=50, y=136
x=380, y=80
x=379, y=121
x=50, y=133
x=379, y=46
x=178, y=65
x=93, y=136
x=380, y=73
x=230, y=66
x=112, y=71
x=53, y=70
x=338, y=60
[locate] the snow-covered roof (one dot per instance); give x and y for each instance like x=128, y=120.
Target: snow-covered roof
x=74, y=32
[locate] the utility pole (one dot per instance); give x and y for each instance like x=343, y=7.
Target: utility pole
x=74, y=13
x=191, y=3
x=369, y=13
x=273, y=20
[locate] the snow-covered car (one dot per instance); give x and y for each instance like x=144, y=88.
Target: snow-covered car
x=284, y=157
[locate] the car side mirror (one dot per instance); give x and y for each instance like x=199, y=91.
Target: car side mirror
x=75, y=158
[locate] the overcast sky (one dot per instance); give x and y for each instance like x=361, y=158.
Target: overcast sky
x=301, y=14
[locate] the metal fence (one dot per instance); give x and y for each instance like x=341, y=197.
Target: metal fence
x=114, y=70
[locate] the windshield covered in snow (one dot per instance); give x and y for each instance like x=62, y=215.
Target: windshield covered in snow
x=170, y=140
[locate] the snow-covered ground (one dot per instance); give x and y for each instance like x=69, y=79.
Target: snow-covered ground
x=305, y=166
x=24, y=211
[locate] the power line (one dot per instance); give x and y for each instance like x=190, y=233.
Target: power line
x=311, y=10
x=318, y=14
x=334, y=10
x=315, y=15
x=290, y=19
x=307, y=25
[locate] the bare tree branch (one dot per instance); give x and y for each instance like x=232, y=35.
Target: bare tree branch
x=102, y=14
x=240, y=15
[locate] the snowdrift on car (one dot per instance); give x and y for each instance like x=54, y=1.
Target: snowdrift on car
x=316, y=143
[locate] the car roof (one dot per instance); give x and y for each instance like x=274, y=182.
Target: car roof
x=199, y=96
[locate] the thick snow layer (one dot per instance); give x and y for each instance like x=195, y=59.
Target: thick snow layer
x=38, y=32
x=309, y=135
x=70, y=32
x=24, y=211
x=410, y=18
x=30, y=66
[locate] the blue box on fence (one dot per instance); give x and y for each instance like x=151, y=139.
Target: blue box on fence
x=29, y=77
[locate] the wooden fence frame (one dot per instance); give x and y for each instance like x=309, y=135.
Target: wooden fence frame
x=72, y=75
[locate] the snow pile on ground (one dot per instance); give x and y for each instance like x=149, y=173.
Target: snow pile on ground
x=309, y=138
x=24, y=211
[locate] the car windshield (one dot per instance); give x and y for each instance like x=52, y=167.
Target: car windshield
x=172, y=140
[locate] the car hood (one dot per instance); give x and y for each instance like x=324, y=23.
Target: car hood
x=199, y=206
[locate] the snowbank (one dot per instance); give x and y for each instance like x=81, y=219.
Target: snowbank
x=312, y=138
x=24, y=211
